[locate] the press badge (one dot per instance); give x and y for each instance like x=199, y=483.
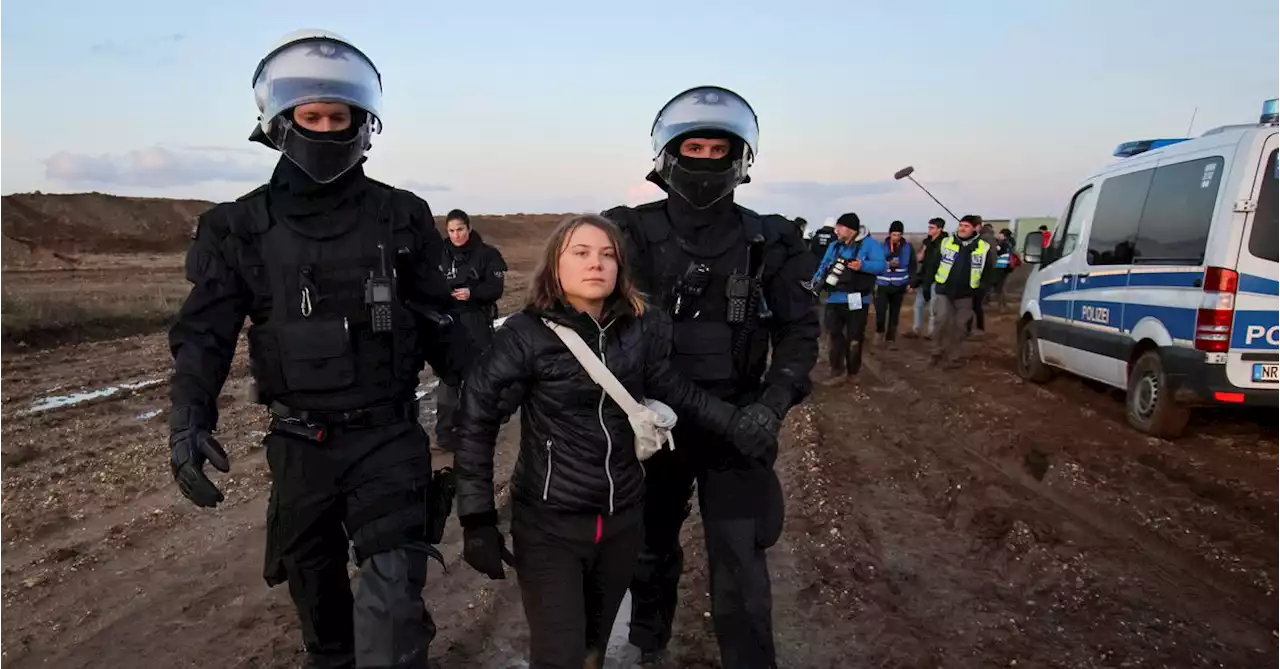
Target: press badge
x=855, y=301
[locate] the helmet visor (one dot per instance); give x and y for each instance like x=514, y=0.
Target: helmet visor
x=706, y=108
x=317, y=70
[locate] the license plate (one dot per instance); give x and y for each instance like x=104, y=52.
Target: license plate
x=1266, y=372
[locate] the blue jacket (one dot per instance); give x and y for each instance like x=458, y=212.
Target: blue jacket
x=906, y=270
x=864, y=248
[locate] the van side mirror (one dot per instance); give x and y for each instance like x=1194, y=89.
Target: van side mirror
x=1033, y=247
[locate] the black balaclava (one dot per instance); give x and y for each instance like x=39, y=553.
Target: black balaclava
x=295, y=194
x=700, y=180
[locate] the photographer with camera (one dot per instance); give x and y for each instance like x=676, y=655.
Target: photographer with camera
x=847, y=274
x=476, y=274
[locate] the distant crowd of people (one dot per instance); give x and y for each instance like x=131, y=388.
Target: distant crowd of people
x=858, y=273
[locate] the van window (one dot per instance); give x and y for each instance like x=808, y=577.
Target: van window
x=1264, y=240
x=1115, y=223
x=1178, y=213
x=1066, y=235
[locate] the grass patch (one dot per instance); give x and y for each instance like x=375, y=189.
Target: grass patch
x=66, y=311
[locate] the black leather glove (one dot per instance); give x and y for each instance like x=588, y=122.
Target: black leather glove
x=190, y=448
x=484, y=549
x=778, y=399
x=754, y=432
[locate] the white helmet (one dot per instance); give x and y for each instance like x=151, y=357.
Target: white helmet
x=712, y=111
x=309, y=66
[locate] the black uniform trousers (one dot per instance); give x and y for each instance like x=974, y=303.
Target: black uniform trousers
x=478, y=323
x=846, y=330
x=573, y=571
x=363, y=488
x=888, y=310
x=736, y=532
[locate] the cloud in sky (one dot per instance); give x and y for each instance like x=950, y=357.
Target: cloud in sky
x=153, y=167
x=642, y=193
x=418, y=186
x=828, y=190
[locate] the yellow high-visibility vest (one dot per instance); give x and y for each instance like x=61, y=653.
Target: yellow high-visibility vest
x=977, y=261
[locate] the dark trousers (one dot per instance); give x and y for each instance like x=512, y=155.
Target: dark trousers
x=366, y=486
x=446, y=427
x=845, y=329
x=979, y=319
x=888, y=309
x=572, y=584
x=479, y=328
x=741, y=593
x=997, y=289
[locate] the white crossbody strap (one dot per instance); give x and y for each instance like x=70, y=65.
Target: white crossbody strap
x=597, y=369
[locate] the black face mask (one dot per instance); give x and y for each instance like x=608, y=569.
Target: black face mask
x=702, y=181
x=323, y=156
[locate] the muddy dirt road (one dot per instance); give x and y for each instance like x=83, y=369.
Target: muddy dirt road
x=963, y=521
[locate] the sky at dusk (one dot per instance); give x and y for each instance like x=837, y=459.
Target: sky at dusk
x=505, y=107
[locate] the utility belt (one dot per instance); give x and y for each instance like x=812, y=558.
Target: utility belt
x=315, y=425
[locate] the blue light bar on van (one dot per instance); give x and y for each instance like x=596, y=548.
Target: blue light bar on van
x=1143, y=145
x=1269, y=111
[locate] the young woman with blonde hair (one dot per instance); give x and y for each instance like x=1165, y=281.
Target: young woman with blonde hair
x=578, y=484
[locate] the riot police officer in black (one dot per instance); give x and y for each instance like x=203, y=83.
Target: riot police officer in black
x=745, y=330
x=339, y=277
x=476, y=274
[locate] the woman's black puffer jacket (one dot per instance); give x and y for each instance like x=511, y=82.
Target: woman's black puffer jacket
x=577, y=449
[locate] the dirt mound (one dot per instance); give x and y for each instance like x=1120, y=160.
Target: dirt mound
x=97, y=223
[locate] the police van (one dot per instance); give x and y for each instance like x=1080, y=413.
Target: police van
x=1161, y=278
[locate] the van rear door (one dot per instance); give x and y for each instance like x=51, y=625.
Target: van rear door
x=1253, y=361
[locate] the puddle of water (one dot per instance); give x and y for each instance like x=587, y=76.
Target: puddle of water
x=147, y=415
x=617, y=653
x=61, y=401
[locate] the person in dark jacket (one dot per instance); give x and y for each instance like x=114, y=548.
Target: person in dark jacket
x=1004, y=266
x=338, y=275
x=847, y=275
x=578, y=487
x=929, y=256
x=966, y=264
x=745, y=330
x=978, y=320
x=893, y=283
x=476, y=274
x=822, y=238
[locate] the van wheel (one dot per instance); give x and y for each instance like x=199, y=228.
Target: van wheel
x=1149, y=405
x=1030, y=366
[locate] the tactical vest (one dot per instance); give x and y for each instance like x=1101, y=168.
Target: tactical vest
x=977, y=261
x=896, y=276
x=311, y=344
x=707, y=349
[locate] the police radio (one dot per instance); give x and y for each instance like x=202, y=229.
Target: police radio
x=738, y=291
x=377, y=296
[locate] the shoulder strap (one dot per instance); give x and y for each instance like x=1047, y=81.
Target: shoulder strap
x=596, y=369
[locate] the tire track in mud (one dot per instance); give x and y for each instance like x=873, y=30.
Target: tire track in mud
x=1233, y=610
x=1208, y=497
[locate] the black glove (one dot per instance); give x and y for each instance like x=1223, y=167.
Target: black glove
x=444, y=485
x=190, y=448
x=484, y=550
x=754, y=432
